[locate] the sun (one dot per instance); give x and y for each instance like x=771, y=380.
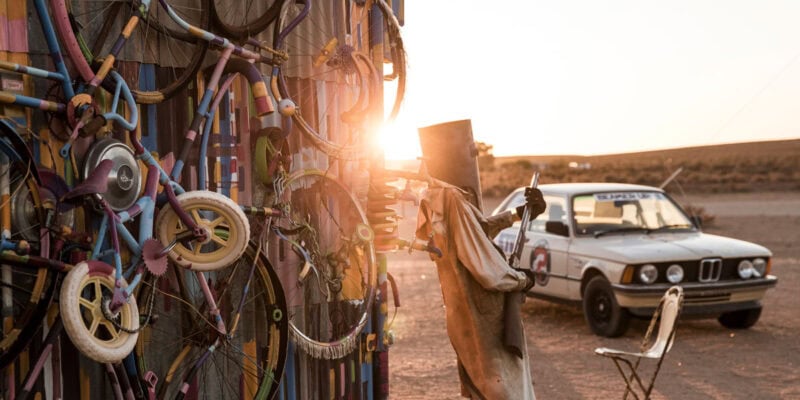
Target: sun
x=399, y=141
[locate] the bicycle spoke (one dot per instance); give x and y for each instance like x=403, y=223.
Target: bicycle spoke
x=86, y=303
x=232, y=370
x=98, y=291
x=219, y=240
x=216, y=222
x=160, y=41
x=196, y=215
x=27, y=289
x=94, y=325
x=331, y=217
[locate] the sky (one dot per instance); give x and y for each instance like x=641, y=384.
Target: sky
x=589, y=77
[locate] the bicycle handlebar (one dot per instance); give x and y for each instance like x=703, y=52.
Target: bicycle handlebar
x=123, y=88
x=96, y=123
x=263, y=103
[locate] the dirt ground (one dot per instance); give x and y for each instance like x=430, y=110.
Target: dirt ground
x=706, y=362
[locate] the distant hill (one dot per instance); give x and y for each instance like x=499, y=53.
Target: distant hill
x=775, y=148
x=739, y=167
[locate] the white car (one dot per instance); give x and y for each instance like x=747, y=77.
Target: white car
x=616, y=248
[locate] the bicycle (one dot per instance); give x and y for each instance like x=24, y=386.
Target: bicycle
x=244, y=19
x=326, y=67
x=232, y=49
x=334, y=264
x=109, y=339
x=32, y=291
x=157, y=40
x=302, y=56
x=264, y=372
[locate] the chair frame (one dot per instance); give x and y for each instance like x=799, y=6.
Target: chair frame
x=622, y=357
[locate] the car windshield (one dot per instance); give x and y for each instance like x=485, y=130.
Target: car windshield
x=628, y=211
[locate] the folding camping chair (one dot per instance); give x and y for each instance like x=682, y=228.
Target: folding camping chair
x=667, y=312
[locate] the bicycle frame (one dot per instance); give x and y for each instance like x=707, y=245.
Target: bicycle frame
x=262, y=102
x=114, y=224
x=78, y=108
x=146, y=204
x=78, y=105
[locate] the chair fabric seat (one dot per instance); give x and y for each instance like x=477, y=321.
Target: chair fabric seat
x=665, y=317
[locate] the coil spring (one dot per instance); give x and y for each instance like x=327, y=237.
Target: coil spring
x=382, y=219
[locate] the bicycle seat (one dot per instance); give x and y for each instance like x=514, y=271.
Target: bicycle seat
x=95, y=183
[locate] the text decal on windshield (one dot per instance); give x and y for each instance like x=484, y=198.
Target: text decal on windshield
x=627, y=196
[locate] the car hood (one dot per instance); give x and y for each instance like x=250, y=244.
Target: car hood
x=638, y=248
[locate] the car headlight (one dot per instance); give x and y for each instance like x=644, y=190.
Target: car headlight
x=745, y=269
x=674, y=273
x=648, y=273
x=759, y=267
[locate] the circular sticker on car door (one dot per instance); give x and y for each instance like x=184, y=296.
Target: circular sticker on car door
x=540, y=262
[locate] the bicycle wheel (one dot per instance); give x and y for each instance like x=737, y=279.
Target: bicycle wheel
x=247, y=361
x=223, y=221
x=25, y=289
x=329, y=74
x=83, y=293
x=156, y=39
x=396, y=52
x=243, y=18
x=331, y=304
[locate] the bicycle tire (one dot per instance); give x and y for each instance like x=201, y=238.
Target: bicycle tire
x=397, y=58
x=237, y=20
x=326, y=78
x=326, y=221
x=220, y=217
x=96, y=26
x=85, y=289
x=31, y=287
x=249, y=363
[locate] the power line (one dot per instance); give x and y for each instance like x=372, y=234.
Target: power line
x=755, y=96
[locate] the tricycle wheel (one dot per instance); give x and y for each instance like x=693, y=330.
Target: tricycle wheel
x=84, y=291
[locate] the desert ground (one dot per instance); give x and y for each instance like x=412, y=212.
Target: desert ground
x=706, y=362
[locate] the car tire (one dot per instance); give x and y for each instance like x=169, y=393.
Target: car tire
x=604, y=316
x=741, y=319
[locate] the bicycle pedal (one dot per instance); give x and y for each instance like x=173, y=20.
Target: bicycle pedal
x=150, y=379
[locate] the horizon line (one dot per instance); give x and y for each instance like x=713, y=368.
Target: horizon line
x=622, y=153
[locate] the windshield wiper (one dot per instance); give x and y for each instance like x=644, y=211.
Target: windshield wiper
x=640, y=229
x=625, y=229
x=665, y=227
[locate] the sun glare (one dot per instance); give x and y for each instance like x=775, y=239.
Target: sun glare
x=399, y=141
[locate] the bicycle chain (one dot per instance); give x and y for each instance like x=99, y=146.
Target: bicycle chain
x=110, y=317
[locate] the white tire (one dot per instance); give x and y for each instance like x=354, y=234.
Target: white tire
x=82, y=293
x=224, y=220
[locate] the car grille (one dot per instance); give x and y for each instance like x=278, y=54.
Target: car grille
x=710, y=270
x=705, y=271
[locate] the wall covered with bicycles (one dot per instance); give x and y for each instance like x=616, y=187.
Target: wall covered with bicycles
x=189, y=206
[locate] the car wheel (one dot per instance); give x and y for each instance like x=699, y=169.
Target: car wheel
x=604, y=316
x=741, y=319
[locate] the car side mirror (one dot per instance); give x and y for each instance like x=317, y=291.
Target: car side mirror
x=697, y=221
x=557, y=228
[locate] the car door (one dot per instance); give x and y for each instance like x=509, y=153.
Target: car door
x=545, y=252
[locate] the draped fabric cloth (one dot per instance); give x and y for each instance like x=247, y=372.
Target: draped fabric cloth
x=475, y=277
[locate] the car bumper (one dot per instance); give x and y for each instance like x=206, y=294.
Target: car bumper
x=699, y=298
